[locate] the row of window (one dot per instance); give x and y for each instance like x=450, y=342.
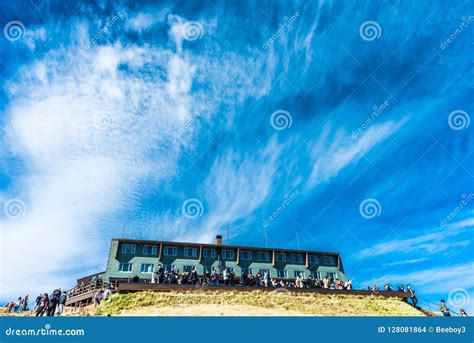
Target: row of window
x=227, y=254
x=280, y=273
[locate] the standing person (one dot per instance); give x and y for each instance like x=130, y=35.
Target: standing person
x=97, y=297
x=53, y=302
x=194, y=276
x=17, y=305
x=43, y=305
x=413, y=297
x=266, y=278
x=161, y=273
x=444, y=309
x=326, y=282
x=225, y=274
x=214, y=278
x=24, y=304
x=297, y=281
x=107, y=293
x=61, y=303
x=463, y=313
x=258, y=279
x=37, y=301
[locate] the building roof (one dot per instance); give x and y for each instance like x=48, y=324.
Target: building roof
x=223, y=246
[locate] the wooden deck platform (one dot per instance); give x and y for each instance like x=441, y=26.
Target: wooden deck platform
x=125, y=287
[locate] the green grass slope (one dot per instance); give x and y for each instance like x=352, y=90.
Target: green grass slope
x=251, y=303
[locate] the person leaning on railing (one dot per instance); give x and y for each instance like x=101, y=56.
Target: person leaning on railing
x=444, y=309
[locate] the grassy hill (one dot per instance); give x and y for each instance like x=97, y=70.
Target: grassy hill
x=252, y=303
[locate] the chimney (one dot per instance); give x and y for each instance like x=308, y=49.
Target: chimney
x=219, y=240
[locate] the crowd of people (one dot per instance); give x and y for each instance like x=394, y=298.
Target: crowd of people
x=388, y=288
x=248, y=279
x=44, y=305
x=53, y=304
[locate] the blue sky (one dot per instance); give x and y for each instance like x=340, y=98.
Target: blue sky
x=326, y=125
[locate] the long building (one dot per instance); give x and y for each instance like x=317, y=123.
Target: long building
x=130, y=258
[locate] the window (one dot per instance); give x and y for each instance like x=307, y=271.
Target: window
x=298, y=273
x=281, y=273
x=190, y=252
x=128, y=248
x=280, y=257
x=227, y=254
x=188, y=269
x=246, y=271
x=333, y=275
x=246, y=255
x=329, y=260
x=167, y=267
x=149, y=250
x=147, y=268
x=125, y=267
x=296, y=258
x=313, y=259
x=263, y=271
x=209, y=253
x=169, y=251
x=263, y=256
x=316, y=275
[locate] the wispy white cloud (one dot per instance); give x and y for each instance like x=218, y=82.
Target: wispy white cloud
x=240, y=183
x=82, y=126
x=93, y=121
x=405, y=262
x=431, y=241
x=332, y=153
